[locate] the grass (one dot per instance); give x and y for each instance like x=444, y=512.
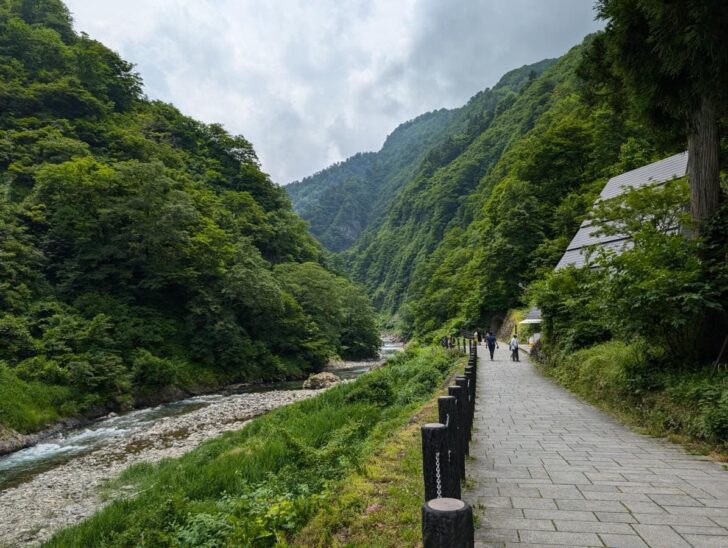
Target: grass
x=28, y=406
x=687, y=406
x=380, y=504
x=262, y=484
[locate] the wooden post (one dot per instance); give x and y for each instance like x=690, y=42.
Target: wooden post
x=447, y=523
x=464, y=383
x=459, y=394
x=448, y=411
x=436, y=466
x=470, y=374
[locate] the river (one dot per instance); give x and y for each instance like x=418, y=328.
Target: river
x=56, y=483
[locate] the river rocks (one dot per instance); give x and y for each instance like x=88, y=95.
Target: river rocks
x=321, y=380
x=36, y=509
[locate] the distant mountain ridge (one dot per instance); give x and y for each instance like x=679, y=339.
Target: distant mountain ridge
x=349, y=197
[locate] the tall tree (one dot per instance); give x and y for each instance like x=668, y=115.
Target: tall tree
x=670, y=57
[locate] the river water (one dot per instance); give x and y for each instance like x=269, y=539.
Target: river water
x=22, y=465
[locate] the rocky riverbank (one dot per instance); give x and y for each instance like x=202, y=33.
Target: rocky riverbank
x=32, y=511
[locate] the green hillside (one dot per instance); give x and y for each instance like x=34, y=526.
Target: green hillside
x=346, y=198
x=139, y=248
x=351, y=197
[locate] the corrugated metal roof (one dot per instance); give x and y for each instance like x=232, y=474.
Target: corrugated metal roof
x=655, y=173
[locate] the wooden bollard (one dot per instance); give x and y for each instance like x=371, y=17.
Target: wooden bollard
x=448, y=414
x=447, y=523
x=436, y=467
x=467, y=407
x=459, y=394
x=470, y=374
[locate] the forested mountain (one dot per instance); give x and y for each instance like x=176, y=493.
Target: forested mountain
x=140, y=248
x=345, y=198
x=350, y=197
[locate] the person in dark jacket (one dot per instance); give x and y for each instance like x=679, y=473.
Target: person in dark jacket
x=492, y=343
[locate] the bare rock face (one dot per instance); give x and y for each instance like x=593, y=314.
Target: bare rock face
x=321, y=380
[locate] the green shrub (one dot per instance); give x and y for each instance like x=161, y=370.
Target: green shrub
x=151, y=370
x=716, y=420
x=376, y=390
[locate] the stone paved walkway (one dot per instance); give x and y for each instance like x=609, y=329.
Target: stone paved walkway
x=549, y=469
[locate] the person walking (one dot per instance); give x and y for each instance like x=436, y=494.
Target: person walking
x=513, y=345
x=492, y=343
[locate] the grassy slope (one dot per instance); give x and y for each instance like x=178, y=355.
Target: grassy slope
x=259, y=485
x=378, y=505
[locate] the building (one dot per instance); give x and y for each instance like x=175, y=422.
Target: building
x=656, y=173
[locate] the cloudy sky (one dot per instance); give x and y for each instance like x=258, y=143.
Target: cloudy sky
x=313, y=82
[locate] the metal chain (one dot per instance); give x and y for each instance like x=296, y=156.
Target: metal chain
x=438, y=478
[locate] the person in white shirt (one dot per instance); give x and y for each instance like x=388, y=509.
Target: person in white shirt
x=513, y=345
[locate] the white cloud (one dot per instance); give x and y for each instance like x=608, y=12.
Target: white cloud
x=310, y=83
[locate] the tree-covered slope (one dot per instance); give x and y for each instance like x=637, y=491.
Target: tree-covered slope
x=140, y=248
x=493, y=206
x=433, y=199
x=344, y=199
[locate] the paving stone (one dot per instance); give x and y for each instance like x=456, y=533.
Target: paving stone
x=660, y=536
x=616, y=517
x=499, y=535
x=623, y=541
x=593, y=527
x=556, y=537
x=503, y=513
x=635, y=497
x=559, y=514
x=518, y=524
x=675, y=500
x=495, y=502
x=707, y=541
x=692, y=530
x=590, y=505
x=671, y=519
x=533, y=503
x=644, y=507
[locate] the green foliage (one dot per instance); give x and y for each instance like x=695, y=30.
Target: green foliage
x=138, y=245
x=261, y=484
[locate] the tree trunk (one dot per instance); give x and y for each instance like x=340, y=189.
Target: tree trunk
x=703, y=163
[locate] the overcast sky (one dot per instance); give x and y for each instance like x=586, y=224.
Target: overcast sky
x=311, y=82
